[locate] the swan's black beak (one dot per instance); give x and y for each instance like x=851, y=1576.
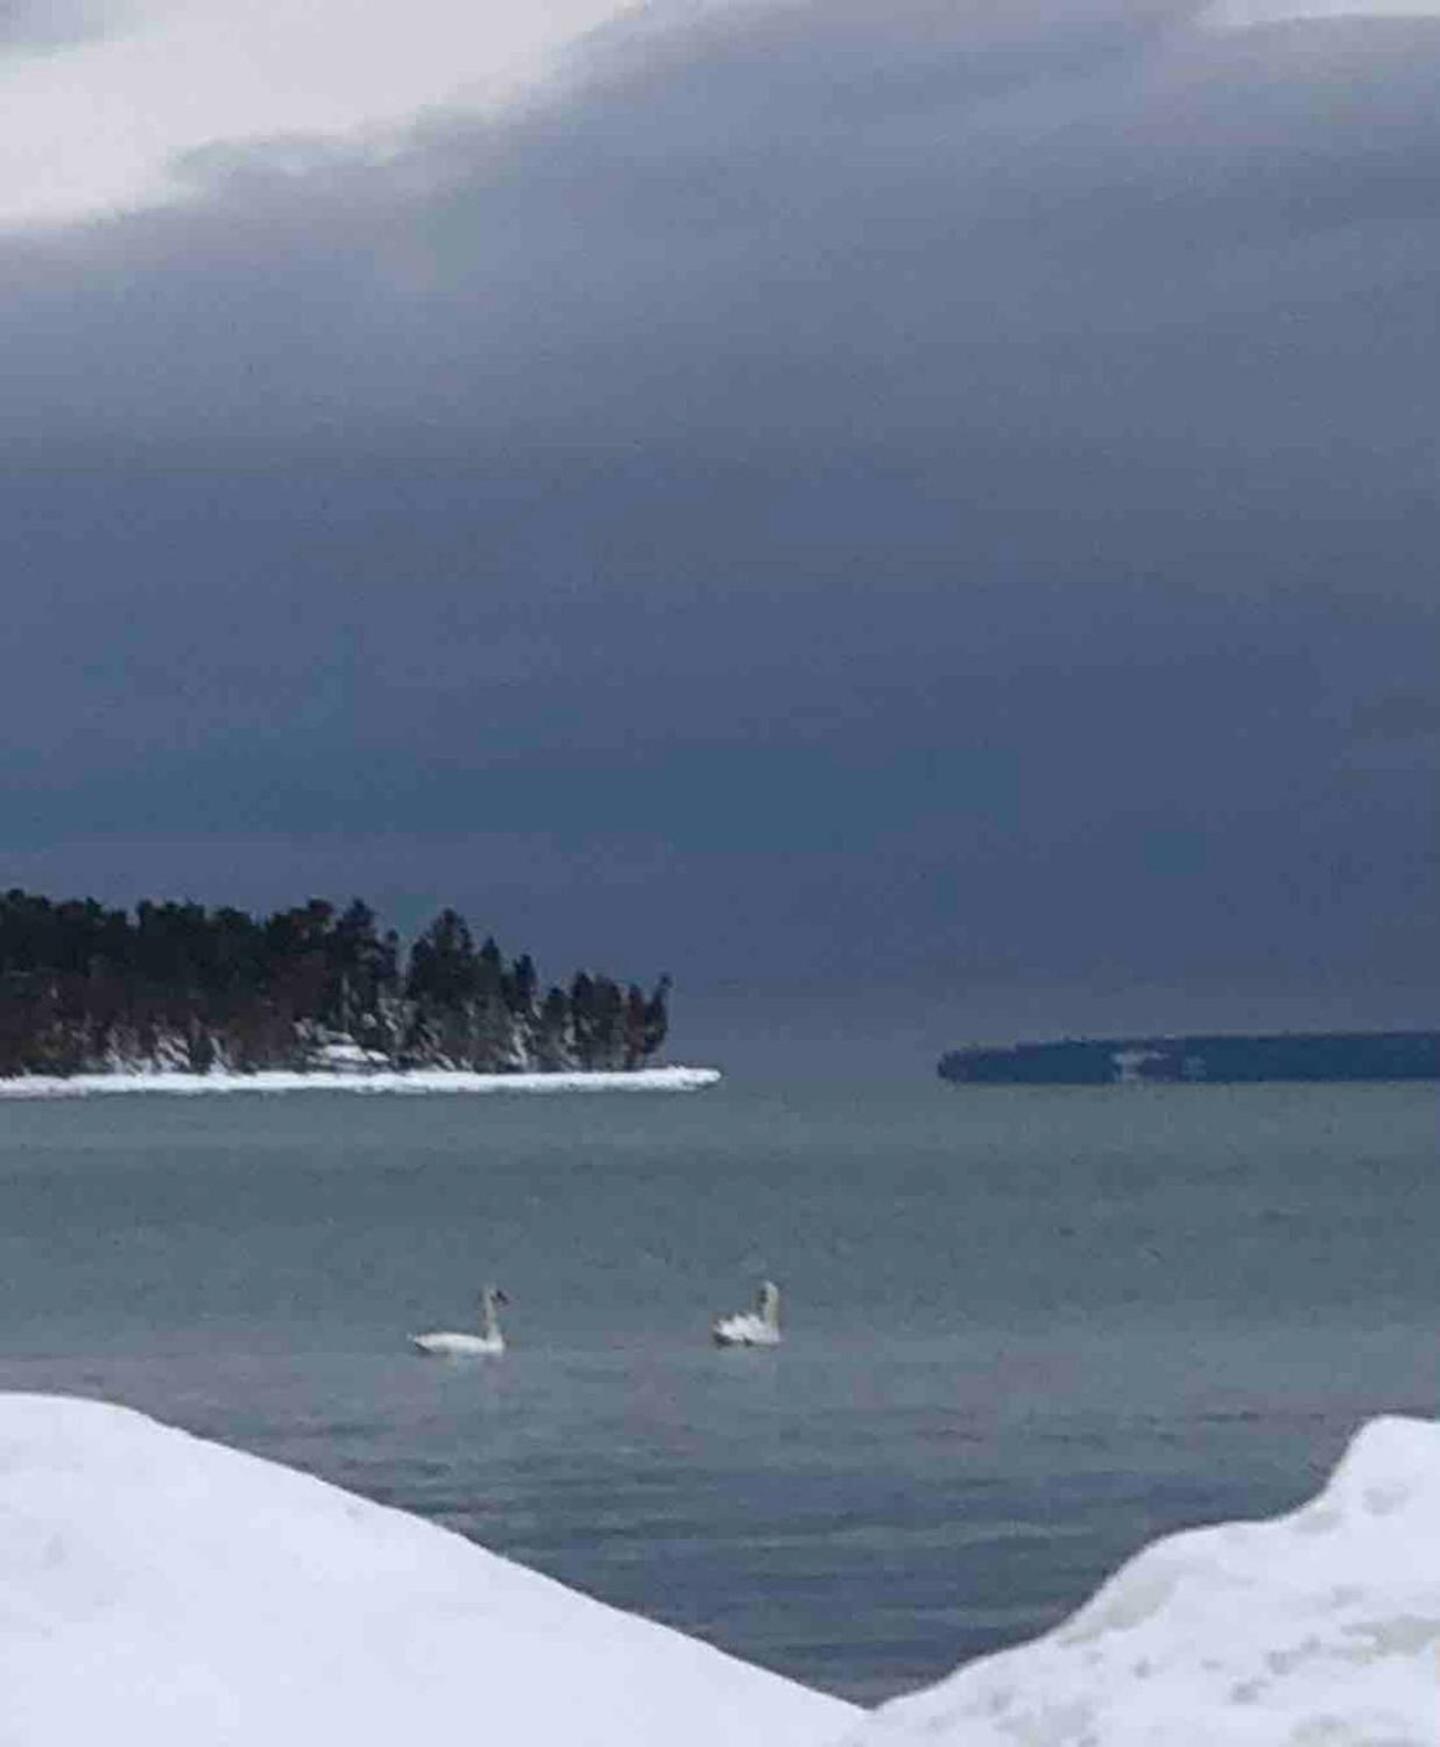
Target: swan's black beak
x=501, y=1297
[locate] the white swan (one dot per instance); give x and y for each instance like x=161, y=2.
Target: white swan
x=446, y=1344
x=752, y=1328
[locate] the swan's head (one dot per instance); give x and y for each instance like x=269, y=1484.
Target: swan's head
x=491, y=1296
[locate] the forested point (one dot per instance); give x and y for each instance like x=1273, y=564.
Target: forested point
x=178, y=987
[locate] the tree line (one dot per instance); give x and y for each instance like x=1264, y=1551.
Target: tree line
x=88, y=989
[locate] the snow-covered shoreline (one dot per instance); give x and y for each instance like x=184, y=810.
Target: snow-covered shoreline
x=1320, y=1628
x=676, y=1079
x=157, y=1587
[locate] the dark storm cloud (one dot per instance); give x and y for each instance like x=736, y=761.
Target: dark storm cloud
x=852, y=203
x=927, y=494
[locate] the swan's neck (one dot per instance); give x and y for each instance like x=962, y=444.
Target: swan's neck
x=770, y=1308
x=490, y=1320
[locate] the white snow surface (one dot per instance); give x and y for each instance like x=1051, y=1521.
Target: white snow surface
x=157, y=1589
x=1316, y=1629
x=1255, y=14
x=421, y=1080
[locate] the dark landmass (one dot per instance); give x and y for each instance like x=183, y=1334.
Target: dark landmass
x=86, y=990
x=1219, y=1060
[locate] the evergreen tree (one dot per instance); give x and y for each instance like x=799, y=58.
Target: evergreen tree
x=634, y=1026
x=608, y=1028
x=497, y=1046
x=657, y=1018
x=84, y=988
x=583, y=1020
x=521, y=988
x=554, y=1046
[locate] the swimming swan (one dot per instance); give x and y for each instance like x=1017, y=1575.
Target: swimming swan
x=444, y=1344
x=752, y=1328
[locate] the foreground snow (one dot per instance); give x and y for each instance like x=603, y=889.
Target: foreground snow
x=1318, y=1629
x=161, y=1590
x=158, y=1589
x=422, y=1080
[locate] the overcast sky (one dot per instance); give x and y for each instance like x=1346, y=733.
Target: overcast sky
x=929, y=498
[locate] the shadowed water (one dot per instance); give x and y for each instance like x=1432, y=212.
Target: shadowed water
x=1026, y=1329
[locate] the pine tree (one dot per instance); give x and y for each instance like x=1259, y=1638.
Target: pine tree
x=657, y=1018
x=497, y=1046
x=634, y=1026
x=608, y=1031
x=554, y=1046
x=86, y=988
x=582, y=1020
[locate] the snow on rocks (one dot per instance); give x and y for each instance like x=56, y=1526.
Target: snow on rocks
x=158, y=1589
x=1316, y=1629
x=391, y=1080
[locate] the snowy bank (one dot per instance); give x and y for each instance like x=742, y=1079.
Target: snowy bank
x=1317, y=1629
x=156, y=1588
x=421, y=1080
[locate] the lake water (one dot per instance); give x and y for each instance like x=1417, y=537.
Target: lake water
x=1027, y=1330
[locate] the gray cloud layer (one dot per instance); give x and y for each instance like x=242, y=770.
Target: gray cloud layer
x=48, y=24
x=834, y=493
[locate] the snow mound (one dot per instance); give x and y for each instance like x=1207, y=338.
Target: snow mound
x=420, y=1080
x=1317, y=1629
x=158, y=1589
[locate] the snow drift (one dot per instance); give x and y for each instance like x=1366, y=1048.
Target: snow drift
x=388, y=1080
x=156, y=1588
x=1317, y=1629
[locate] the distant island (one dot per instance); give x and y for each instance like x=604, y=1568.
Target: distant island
x=179, y=988
x=1217, y=1060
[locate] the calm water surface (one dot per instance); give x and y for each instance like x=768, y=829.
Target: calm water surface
x=1027, y=1329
